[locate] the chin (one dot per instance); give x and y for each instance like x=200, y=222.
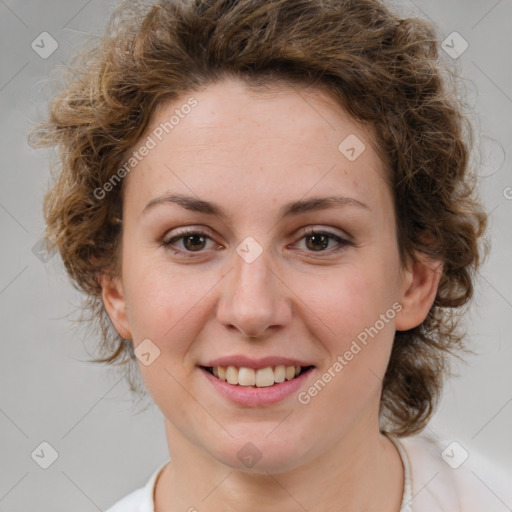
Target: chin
x=257, y=454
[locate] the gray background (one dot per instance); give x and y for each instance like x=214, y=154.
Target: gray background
x=49, y=393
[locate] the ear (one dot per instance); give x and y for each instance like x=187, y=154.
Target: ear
x=112, y=293
x=419, y=289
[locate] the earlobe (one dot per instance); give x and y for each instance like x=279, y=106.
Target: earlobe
x=112, y=294
x=420, y=285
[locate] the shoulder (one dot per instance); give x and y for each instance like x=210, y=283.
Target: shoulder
x=140, y=500
x=446, y=476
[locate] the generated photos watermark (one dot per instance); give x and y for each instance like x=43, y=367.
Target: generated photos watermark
x=149, y=144
x=357, y=345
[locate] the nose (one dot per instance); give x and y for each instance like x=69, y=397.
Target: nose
x=254, y=299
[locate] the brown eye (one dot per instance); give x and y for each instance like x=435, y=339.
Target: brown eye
x=318, y=241
x=191, y=242
x=194, y=242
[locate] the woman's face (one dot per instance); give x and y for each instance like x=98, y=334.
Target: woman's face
x=253, y=283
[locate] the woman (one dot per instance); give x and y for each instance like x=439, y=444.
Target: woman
x=270, y=203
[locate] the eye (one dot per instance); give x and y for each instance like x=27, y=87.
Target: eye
x=193, y=241
x=318, y=241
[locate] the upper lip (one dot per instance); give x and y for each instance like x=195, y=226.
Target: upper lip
x=243, y=361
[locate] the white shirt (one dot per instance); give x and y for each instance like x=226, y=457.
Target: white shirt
x=437, y=478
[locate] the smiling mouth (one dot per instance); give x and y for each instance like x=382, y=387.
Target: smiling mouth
x=260, y=378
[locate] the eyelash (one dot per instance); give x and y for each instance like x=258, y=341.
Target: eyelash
x=343, y=243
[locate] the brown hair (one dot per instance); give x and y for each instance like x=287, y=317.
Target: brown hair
x=384, y=70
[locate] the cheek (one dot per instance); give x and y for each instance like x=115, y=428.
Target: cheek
x=164, y=300
x=348, y=299
x=357, y=332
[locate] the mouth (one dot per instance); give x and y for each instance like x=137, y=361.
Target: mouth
x=256, y=378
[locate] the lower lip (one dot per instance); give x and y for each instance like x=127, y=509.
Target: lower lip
x=255, y=397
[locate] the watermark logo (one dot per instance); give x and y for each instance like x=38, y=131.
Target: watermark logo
x=249, y=455
x=454, y=45
x=41, y=252
x=455, y=455
x=352, y=147
x=44, y=45
x=249, y=249
x=44, y=455
x=146, y=352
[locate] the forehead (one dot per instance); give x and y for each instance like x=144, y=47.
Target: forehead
x=257, y=144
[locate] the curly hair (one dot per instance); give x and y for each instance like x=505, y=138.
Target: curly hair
x=384, y=70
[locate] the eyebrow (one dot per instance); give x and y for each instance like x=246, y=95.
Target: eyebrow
x=290, y=209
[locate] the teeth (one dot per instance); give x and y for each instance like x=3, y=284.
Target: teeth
x=290, y=372
x=261, y=378
x=264, y=377
x=246, y=377
x=280, y=373
x=232, y=375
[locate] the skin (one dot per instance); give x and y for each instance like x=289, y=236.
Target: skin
x=250, y=153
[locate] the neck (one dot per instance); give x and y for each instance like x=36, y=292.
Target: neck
x=362, y=471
